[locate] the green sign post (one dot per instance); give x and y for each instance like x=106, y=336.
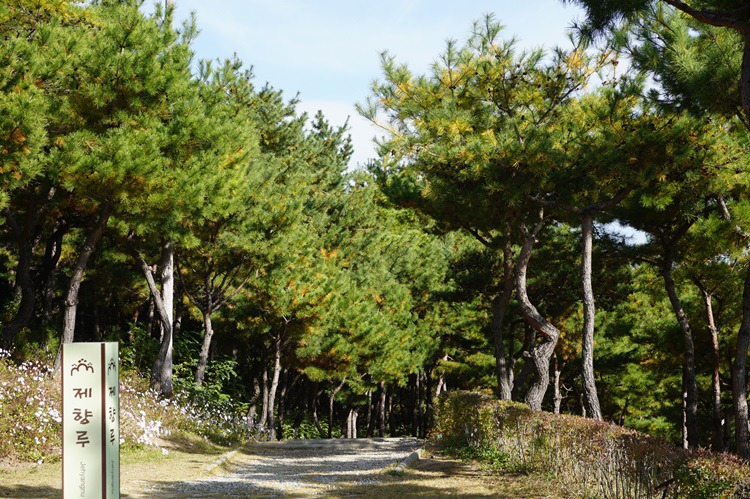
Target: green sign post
x=91, y=418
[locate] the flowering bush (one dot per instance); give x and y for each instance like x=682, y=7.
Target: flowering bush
x=31, y=423
x=145, y=418
x=588, y=457
x=30, y=419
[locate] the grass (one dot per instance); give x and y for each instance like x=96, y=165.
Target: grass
x=140, y=469
x=437, y=475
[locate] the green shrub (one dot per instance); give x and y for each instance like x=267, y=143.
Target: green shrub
x=138, y=354
x=588, y=457
x=306, y=430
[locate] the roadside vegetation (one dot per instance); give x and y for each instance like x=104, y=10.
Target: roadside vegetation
x=588, y=458
x=30, y=405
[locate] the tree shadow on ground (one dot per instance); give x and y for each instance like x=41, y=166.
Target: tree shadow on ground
x=434, y=476
x=14, y=491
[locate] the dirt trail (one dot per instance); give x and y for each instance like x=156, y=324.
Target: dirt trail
x=350, y=468
x=322, y=468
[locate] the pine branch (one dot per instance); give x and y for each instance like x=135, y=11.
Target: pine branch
x=720, y=18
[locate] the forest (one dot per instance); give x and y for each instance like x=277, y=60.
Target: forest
x=566, y=227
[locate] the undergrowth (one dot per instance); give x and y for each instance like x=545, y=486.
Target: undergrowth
x=589, y=458
x=31, y=422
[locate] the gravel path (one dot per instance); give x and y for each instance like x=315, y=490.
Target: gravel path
x=297, y=469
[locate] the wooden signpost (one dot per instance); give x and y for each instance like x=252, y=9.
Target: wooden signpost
x=91, y=418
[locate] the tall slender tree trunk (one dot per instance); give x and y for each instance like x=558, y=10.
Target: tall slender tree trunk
x=381, y=409
x=739, y=375
x=25, y=285
x=331, y=398
x=161, y=374
x=685, y=430
x=389, y=414
x=264, y=384
x=27, y=237
x=274, y=387
x=163, y=365
x=688, y=372
x=429, y=396
x=589, y=315
x=540, y=354
x=557, y=399
x=253, y=406
x=499, y=307
x=413, y=391
x=739, y=365
x=74, y=285
x=207, y=308
x=150, y=314
x=351, y=423
x=440, y=385
x=208, y=333
x=284, y=388
x=49, y=274
x=316, y=398
x=529, y=341
x=370, y=420
x=715, y=380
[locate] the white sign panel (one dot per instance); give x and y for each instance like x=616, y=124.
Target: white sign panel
x=91, y=433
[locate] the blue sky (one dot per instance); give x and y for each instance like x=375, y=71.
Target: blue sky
x=328, y=50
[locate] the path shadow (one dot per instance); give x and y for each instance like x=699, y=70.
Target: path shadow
x=14, y=491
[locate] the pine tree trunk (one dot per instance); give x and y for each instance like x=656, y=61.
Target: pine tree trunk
x=316, y=398
x=284, y=387
x=529, y=342
x=414, y=396
x=739, y=375
x=389, y=414
x=274, y=387
x=499, y=307
x=331, y=398
x=264, y=411
x=74, y=285
x=688, y=373
x=715, y=380
x=161, y=374
x=26, y=239
x=539, y=355
x=208, y=333
x=745, y=76
x=589, y=315
x=558, y=394
x=25, y=285
x=252, y=410
x=51, y=259
x=369, y=425
x=167, y=282
x=381, y=409
x=165, y=307
x=429, y=401
x=685, y=430
x=440, y=385
x=351, y=423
